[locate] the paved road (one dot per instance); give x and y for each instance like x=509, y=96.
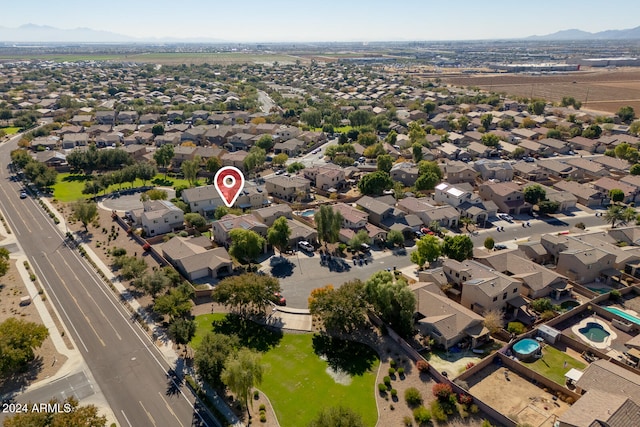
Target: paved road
x=304, y=273
x=266, y=102
x=129, y=369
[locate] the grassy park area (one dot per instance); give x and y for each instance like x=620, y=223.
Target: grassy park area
x=11, y=130
x=552, y=364
x=328, y=371
x=68, y=187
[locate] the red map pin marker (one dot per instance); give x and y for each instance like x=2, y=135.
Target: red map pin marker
x=229, y=182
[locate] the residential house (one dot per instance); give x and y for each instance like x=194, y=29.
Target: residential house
x=203, y=200
x=352, y=218
x=587, y=144
x=222, y=227
x=288, y=132
x=325, y=177
x=613, y=164
x=51, y=158
x=508, y=196
x=149, y=119
x=457, y=172
x=588, y=169
x=157, y=217
x=239, y=142
x=448, y=151
x=465, y=202
x=196, y=258
x=532, y=148
x=106, y=117
x=445, y=216
x=378, y=211
x=445, y=320
x=218, y=136
x=292, y=147
x=167, y=138
x=80, y=119
x=252, y=197
x=269, y=214
x=531, y=172
x=288, y=188
x=235, y=159
x=136, y=151
x=606, y=184
x=127, y=117
x=561, y=170
x=405, y=172
x=73, y=140
x=632, y=180
x=194, y=134
x=498, y=170
x=553, y=145
x=301, y=232
x=46, y=142
x=585, y=194
x=525, y=133
x=182, y=153
x=481, y=288
x=537, y=280
x=479, y=150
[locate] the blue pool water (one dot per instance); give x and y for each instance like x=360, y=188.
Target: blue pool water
x=308, y=213
x=526, y=347
x=624, y=315
x=594, y=332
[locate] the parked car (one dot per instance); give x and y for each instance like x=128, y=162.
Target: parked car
x=23, y=195
x=278, y=299
x=499, y=247
x=304, y=245
x=506, y=217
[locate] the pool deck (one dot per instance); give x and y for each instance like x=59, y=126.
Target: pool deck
x=606, y=343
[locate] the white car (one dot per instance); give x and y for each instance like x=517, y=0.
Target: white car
x=305, y=246
x=505, y=217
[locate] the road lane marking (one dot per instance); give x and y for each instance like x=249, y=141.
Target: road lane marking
x=148, y=414
x=45, y=280
x=75, y=300
x=125, y=418
x=169, y=408
x=88, y=291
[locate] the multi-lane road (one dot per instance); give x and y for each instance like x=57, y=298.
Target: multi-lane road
x=129, y=369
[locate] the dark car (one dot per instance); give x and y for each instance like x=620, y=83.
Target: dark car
x=499, y=247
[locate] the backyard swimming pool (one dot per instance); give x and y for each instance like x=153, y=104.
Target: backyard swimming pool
x=308, y=213
x=525, y=349
x=624, y=315
x=595, y=332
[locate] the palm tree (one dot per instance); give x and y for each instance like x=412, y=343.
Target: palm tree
x=629, y=215
x=614, y=214
x=466, y=221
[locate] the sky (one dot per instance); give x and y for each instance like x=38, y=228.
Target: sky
x=326, y=20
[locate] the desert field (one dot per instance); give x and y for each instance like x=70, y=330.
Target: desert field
x=599, y=90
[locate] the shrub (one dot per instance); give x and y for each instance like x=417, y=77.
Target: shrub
x=382, y=388
x=474, y=409
x=256, y=395
x=407, y=421
x=118, y=251
x=516, y=328
x=401, y=371
x=615, y=295
x=422, y=366
x=421, y=415
x=442, y=391
x=392, y=371
x=262, y=407
x=541, y=304
x=486, y=423
x=387, y=381
x=412, y=396
x=437, y=412
x=465, y=399
x=394, y=392
x=263, y=418
x=393, y=363
x=548, y=315
x=470, y=365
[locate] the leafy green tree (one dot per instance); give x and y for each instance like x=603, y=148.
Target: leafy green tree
x=593, y=132
x=40, y=174
x=629, y=214
x=247, y=293
x=196, y=220
x=21, y=157
x=635, y=169
x=548, y=207
x=537, y=107
x=92, y=187
x=534, y=193
x=256, y=157
x=429, y=107
x=391, y=138
x=458, y=247
x=426, y=182
x=634, y=128
x=417, y=134
x=242, y=372
x=486, y=120
x=156, y=194
x=212, y=166
x=373, y=184
x=616, y=195
x=384, y=162
x=425, y=167
x=18, y=339
x=312, y=117
x=416, y=151
x=392, y=300
x=182, y=330
x=626, y=114
x=278, y=234
x=295, y=167
x=490, y=140
x=467, y=221
x=554, y=133
x=72, y=415
x=374, y=151
x=265, y=142
x=361, y=237
x=340, y=310
x=163, y=156
x=280, y=159
x=328, y=222
x=489, y=243
x=428, y=249
x=395, y=238
x=85, y=212
x=154, y=283
x=176, y=303
x=130, y=267
x=211, y=353
x=190, y=169
x=246, y=245
x=157, y=130
x=367, y=139
x=463, y=123
x=4, y=261
x=335, y=416
x=360, y=118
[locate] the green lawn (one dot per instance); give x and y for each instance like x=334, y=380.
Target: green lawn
x=68, y=187
x=293, y=368
x=551, y=365
x=10, y=130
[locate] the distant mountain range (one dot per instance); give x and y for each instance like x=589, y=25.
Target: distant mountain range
x=31, y=33
x=574, y=34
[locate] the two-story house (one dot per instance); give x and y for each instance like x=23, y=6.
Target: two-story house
x=288, y=188
x=325, y=177
x=498, y=170
x=203, y=200
x=222, y=227
x=508, y=196
x=157, y=217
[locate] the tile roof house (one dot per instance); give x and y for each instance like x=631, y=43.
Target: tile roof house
x=196, y=258
x=456, y=172
x=584, y=193
x=446, y=216
x=499, y=170
x=405, y=173
x=508, y=196
x=562, y=170
x=465, y=202
x=106, y=117
x=288, y=188
x=352, y=218
x=612, y=163
x=203, y=200
x=537, y=281
x=481, y=288
x=530, y=172
x=589, y=169
x=326, y=177
x=606, y=184
x=269, y=214
x=158, y=217
x=222, y=227
x=445, y=320
x=235, y=159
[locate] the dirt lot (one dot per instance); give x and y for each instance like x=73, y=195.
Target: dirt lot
x=597, y=89
x=514, y=395
x=48, y=360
